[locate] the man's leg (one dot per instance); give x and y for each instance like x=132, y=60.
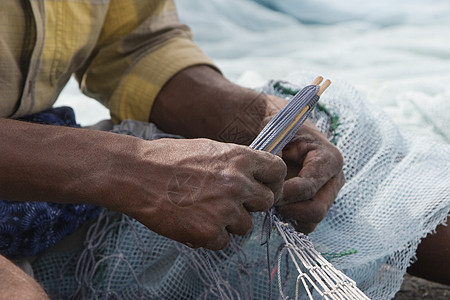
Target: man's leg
x=433, y=256
x=16, y=284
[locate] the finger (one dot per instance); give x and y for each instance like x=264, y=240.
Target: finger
x=219, y=242
x=317, y=170
x=304, y=227
x=306, y=212
x=277, y=190
x=260, y=197
x=268, y=168
x=313, y=211
x=317, y=156
x=271, y=173
x=295, y=191
x=243, y=223
x=298, y=189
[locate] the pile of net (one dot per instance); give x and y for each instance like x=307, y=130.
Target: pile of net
x=396, y=192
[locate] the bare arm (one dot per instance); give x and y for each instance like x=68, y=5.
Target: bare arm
x=127, y=174
x=200, y=102
x=48, y=163
x=57, y=164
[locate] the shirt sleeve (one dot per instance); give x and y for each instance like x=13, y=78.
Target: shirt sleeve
x=141, y=46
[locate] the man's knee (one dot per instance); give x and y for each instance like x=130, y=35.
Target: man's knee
x=16, y=284
x=433, y=256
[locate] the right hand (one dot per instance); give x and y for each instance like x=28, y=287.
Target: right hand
x=197, y=191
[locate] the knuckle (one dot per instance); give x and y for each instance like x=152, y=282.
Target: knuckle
x=231, y=184
x=241, y=152
x=234, y=189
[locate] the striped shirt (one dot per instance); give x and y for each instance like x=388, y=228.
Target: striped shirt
x=121, y=52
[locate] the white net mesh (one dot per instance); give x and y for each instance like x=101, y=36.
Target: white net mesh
x=396, y=192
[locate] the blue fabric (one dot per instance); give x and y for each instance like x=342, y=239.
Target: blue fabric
x=29, y=228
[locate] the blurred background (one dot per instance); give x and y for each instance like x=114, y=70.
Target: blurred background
x=396, y=53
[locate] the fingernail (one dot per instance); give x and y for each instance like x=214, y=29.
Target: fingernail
x=189, y=245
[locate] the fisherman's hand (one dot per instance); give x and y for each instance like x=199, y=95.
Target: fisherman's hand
x=198, y=191
x=314, y=178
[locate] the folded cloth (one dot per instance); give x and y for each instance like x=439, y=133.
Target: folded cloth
x=29, y=228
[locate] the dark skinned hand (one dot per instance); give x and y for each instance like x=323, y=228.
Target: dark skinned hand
x=313, y=181
x=314, y=174
x=199, y=102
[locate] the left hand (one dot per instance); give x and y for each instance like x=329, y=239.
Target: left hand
x=313, y=180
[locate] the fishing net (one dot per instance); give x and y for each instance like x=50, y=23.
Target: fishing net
x=396, y=192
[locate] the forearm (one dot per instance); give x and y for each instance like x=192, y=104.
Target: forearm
x=58, y=164
x=200, y=102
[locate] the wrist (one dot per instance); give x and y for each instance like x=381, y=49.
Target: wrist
x=200, y=102
x=252, y=114
x=119, y=159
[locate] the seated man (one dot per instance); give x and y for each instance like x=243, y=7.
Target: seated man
x=140, y=62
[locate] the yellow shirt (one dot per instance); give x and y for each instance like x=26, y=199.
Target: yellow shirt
x=121, y=51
